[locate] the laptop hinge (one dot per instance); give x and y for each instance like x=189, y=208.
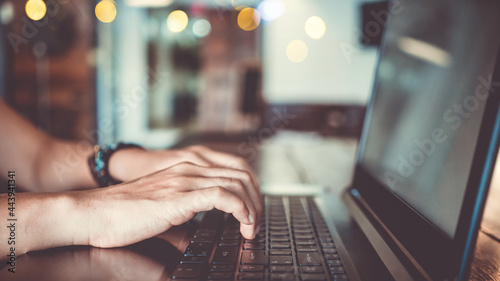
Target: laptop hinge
x=392, y=261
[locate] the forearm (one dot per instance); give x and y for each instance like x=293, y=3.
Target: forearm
x=42, y=162
x=44, y=220
x=63, y=166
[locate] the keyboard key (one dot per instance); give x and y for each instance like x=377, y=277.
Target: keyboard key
x=197, y=252
x=201, y=234
x=301, y=231
x=280, y=239
x=207, y=240
x=220, y=275
x=306, y=249
x=258, y=240
x=282, y=276
x=196, y=259
x=334, y=262
x=251, y=275
x=331, y=256
x=276, y=245
x=222, y=268
x=229, y=244
x=225, y=255
x=304, y=236
x=311, y=269
x=253, y=246
x=207, y=230
x=312, y=277
x=327, y=245
x=329, y=250
x=278, y=223
x=302, y=226
x=278, y=228
x=253, y=257
x=281, y=268
x=184, y=271
x=336, y=269
x=230, y=237
x=251, y=268
x=280, y=260
x=230, y=231
x=199, y=246
x=279, y=233
x=305, y=242
x=280, y=252
x=325, y=239
x=339, y=277
x=312, y=258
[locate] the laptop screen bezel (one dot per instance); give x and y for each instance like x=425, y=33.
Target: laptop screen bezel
x=434, y=251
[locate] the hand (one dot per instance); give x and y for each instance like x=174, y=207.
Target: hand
x=130, y=212
x=130, y=164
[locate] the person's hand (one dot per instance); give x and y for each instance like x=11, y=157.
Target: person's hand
x=130, y=212
x=130, y=164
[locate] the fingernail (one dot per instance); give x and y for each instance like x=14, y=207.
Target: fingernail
x=251, y=219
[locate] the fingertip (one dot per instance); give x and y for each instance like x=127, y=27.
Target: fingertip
x=248, y=231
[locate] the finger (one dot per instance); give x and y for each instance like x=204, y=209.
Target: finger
x=248, y=231
x=225, y=160
x=234, y=185
x=234, y=174
x=226, y=201
x=196, y=158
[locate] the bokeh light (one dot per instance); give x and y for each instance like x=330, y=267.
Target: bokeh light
x=315, y=27
x=6, y=12
x=35, y=9
x=248, y=19
x=271, y=9
x=296, y=51
x=105, y=11
x=177, y=21
x=201, y=28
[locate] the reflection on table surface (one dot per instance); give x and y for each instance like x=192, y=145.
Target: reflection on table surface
x=152, y=259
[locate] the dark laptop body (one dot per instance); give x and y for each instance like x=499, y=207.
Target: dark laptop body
x=430, y=137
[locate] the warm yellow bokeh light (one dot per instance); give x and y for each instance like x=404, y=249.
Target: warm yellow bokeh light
x=177, y=21
x=296, y=51
x=35, y=9
x=315, y=27
x=105, y=11
x=248, y=19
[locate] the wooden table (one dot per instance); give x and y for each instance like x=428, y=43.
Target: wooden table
x=308, y=158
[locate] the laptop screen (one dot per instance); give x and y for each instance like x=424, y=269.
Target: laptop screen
x=432, y=82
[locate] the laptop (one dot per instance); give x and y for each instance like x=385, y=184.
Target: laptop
x=423, y=167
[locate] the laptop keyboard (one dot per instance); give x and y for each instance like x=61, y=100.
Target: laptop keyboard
x=293, y=243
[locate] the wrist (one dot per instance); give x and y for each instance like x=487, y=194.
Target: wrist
x=51, y=220
x=127, y=164
x=99, y=163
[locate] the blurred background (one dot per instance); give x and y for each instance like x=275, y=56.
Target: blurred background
x=155, y=71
